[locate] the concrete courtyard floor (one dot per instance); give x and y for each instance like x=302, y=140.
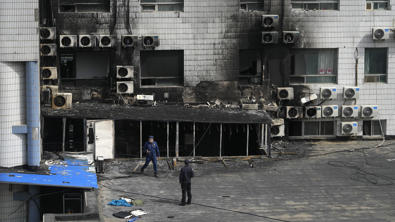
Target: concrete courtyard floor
x=320, y=181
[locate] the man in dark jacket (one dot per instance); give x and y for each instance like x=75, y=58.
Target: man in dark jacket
x=186, y=174
x=151, y=151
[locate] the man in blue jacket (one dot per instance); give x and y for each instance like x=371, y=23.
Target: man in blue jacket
x=151, y=151
x=186, y=174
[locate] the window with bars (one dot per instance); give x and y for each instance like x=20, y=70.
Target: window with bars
x=314, y=66
x=377, y=4
x=376, y=62
x=374, y=127
x=312, y=128
x=315, y=4
x=162, y=5
x=84, y=6
x=252, y=5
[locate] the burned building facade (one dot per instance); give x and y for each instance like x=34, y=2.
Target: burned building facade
x=99, y=76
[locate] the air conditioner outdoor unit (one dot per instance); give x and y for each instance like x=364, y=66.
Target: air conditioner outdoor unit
x=312, y=112
x=277, y=128
x=105, y=41
x=294, y=112
x=48, y=73
x=330, y=111
x=47, y=92
x=62, y=101
x=125, y=72
x=145, y=97
x=68, y=41
x=285, y=93
x=380, y=33
x=270, y=21
x=369, y=111
x=150, y=42
x=327, y=93
x=290, y=37
x=48, y=49
x=349, y=128
x=125, y=87
x=129, y=40
x=351, y=92
x=86, y=41
x=270, y=37
x=351, y=111
x=47, y=33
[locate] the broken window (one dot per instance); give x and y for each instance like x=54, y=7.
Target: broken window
x=162, y=68
x=84, y=66
x=314, y=66
x=376, y=64
x=377, y=4
x=311, y=128
x=249, y=66
x=315, y=4
x=57, y=200
x=374, y=127
x=252, y=5
x=84, y=5
x=162, y=5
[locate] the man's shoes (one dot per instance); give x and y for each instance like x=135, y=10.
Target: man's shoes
x=142, y=170
x=155, y=175
x=189, y=203
x=182, y=204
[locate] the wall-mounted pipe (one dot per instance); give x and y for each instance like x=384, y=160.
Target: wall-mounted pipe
x=33, y=115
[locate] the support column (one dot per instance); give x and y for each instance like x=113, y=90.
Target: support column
x=34, y=204
x=194, y=139
x=141, y=139
x=64, y=134
x=248, y=138
x=220, y=140
x=177, y=138
x=33, y=115
x=167, y=139
x=262, y=135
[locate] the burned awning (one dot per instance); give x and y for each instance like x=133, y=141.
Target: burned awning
x=160, y=113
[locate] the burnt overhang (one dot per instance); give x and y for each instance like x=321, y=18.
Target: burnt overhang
x=173, y=113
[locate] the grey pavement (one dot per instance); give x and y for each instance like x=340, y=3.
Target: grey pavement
x=322, y=181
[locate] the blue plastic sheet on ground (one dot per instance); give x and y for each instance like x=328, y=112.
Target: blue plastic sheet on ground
x=133, y=219
x=120, y=203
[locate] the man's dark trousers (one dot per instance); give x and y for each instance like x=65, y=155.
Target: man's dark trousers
x=186, y=190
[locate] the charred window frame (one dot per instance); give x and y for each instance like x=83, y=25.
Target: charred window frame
x=250, y=68
x=376, y=65
x=162, y=68
x=374, y=128
x=310, y=66
x=83, y=6
x=315, y=4
x=162, y=5
x=377, y=5
x=312, y=129
x=252, y=5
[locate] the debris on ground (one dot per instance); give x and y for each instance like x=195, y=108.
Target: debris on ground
x=120, y=202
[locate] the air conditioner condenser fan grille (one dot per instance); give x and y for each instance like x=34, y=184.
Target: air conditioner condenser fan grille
x=105, y=40
x=268, y=21
x=326, y=93
x=85, y=41
x=347, y=128
x=128, y=40
x=267, y=38
x=283, y=94
x=148, y=41
x=311, y=112
x=289, y=37
x=328, y=111
x=45, y=33
x=292, y=112
x=59, y=101
x=350, y=93
x=122, y=72
x=379, y=34
x=348, y=111
x=122, y=87
x=275, y=130
x=367, y=111
x=45, y=49
x=66, y=41
x=46, y=73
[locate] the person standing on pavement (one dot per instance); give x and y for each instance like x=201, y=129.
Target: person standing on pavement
x=151, y=151
x=186, y=174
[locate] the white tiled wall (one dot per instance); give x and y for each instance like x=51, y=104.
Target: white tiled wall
x=18, y=30
x=11, y=210
x=12, y=112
